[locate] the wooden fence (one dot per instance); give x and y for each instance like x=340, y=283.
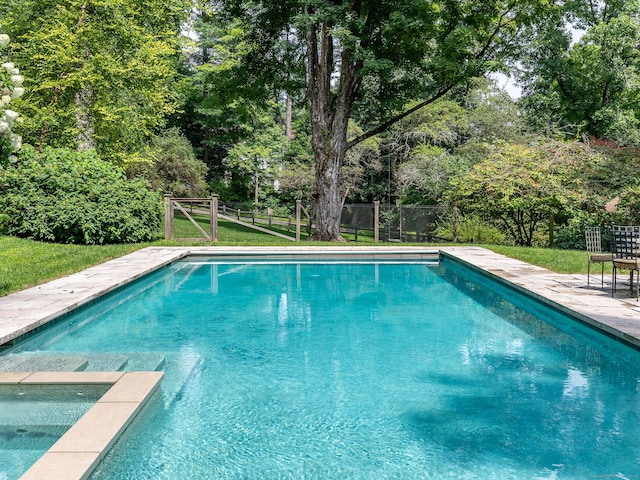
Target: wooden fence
x=359, y=222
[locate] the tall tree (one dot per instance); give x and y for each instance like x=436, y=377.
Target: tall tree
x=367, y=59
x=99, y=73
x=589, y=87
x=226, y=100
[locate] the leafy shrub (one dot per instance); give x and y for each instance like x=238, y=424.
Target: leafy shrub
x=472, y=229
x=4, y=219
x=170, y=165
x=64, y=196
x=628, y=210
x=571, y=235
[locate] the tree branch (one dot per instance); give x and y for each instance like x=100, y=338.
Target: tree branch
x=443, y=91
x=495, y=32
x=384, y=126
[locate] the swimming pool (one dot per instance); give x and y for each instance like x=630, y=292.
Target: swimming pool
x=358, y=370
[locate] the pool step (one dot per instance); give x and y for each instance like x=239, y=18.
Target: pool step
x=43, y=363
x=179, y=376
x=106, y=362
x=144, y=362
x=30, y=437
x=91, y=362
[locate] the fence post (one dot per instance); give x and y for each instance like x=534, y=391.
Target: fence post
x=213, y=219
x=168, y=217
x=376, y=221
x=455, y=224
x=298, y=208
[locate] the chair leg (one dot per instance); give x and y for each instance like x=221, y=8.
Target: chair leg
x=588, y=272
x=613, y=281
x=602, y=275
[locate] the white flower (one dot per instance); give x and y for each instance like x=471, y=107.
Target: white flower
x=4, y=127
x=16, y=142
x=6, y=100
x=17, y=92
x=4, y=39
x=10, y=116
x=13, y=71
x=8, y=66
x=17, y=80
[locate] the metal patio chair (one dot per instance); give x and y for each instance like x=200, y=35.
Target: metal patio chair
x=625, y=249
x=596, y=255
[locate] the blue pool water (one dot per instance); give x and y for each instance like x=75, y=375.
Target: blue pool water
x=358, y=370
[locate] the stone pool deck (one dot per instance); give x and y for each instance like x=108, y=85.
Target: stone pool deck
x=79, y=451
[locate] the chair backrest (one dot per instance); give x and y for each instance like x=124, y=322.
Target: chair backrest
x=625, y=240
x=592, y=237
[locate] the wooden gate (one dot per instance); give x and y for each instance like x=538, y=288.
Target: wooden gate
x=201, y=206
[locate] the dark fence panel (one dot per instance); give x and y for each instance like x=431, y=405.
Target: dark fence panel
x=406, y=223
x=357, y=221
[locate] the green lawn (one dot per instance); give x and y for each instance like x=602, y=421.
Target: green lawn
x=561, y=261
x=25, y=263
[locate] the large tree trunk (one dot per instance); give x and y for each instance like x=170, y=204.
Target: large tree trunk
x=330, y=109
x=84, y=119
x=326, y=193
x=83, y=99
x=289, y=119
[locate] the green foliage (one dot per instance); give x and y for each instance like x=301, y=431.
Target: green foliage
x=99, y=74
x=258, y=158
x=69, y=197
x=425, y=177
x=4, y=220
x=570, y=236
x=471, y=229
x=170, y=166
x=447, y=137
x=519, y=187
x=589, y=87
x=628, y=209
x=296, y=181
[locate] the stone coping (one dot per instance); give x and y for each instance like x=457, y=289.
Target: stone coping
x=76, y=454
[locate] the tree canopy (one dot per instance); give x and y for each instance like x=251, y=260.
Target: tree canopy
x=589, y=87
x=367, y=60
x=99, y=74
x=331, y=101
